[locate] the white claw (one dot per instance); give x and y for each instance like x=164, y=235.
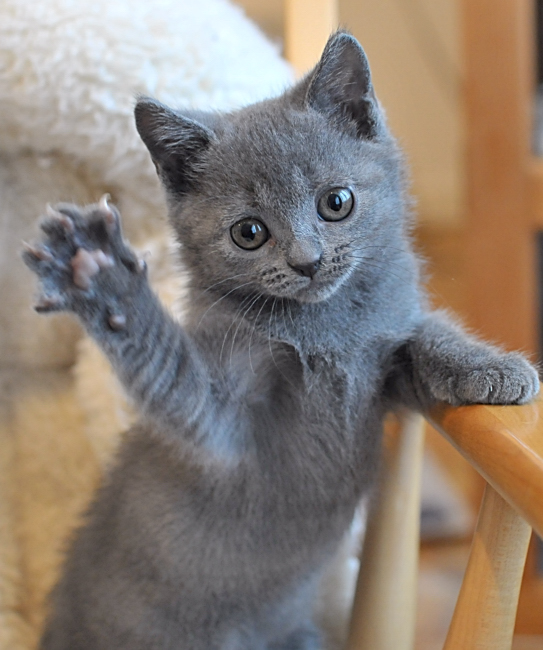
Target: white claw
x=105, y=207
x=48, y=303
x=51, y=212
x=63, y=218
x=104, y=201
x=38, y=252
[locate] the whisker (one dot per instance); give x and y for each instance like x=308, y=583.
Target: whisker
x=238, y=311
x=233, y=277
x=389, y=262
x=382, y=246
x=406, y=281
x=219, y=300
x=272, y=314
x=253, y=331
x=259, y=295
x=283, y=312
x=381, y=267
x=290, y=314
x=349, y=248
x=207, y=199
x=431, y=291
x=270, y=330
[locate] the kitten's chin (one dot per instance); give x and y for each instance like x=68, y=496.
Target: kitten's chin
x=312, y=294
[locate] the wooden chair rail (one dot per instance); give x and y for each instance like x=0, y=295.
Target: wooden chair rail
x=485, y=612
x=384, y=609
x=505, y=445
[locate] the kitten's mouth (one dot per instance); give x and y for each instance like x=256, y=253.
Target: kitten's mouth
x=315, y=290
x=304, y=289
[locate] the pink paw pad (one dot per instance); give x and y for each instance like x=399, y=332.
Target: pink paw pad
x=86, y=264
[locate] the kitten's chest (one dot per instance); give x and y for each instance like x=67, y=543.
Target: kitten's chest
x=314, y=420
x=315, y=454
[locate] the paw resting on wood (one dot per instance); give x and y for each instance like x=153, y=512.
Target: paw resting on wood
x=489, y=377
x=83, y=263
x=453, y=366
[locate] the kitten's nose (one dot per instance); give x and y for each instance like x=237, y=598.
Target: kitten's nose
x=307, y=269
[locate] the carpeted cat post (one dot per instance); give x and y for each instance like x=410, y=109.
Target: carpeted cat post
x=69, y=72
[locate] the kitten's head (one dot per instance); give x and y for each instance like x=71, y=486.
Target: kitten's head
x=288, y=197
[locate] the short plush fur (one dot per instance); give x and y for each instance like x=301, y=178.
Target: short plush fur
x=261, y=418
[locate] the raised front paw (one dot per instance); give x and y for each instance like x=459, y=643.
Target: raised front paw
x=489, y=378
x=83, y=263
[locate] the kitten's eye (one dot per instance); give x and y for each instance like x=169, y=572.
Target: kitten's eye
x=249, y=233
x=335, y=204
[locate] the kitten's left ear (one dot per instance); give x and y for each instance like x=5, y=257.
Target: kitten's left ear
x=340, y=87
x=176, y=142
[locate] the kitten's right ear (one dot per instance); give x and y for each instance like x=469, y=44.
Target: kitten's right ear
x=340, y=87
x=175, y=142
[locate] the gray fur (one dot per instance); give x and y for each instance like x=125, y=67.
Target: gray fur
x=261, y=420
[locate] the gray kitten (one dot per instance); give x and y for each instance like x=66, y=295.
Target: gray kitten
x=261, y=419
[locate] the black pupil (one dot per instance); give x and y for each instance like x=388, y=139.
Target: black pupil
x=249, y=231
x=334, y=202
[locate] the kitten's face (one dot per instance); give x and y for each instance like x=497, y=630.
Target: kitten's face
x=287, y=198
x=285, y=206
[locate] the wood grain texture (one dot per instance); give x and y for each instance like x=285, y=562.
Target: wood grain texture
x=499, y=82
x=308, y=24
x=505, y=194
x=484, y=617
x=505, y=444
x=530, y=611
x=535, y=192
x=384, y=610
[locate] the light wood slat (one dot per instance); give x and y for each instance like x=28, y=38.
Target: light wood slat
x=498, y=96
x=484, y=618
x=505, y=445
x=308, y=24
x=535, y=192
x=384, y=609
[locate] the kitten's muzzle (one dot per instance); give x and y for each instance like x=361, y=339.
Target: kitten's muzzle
x=307, y=269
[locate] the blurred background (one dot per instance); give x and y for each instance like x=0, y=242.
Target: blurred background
x=416, y=56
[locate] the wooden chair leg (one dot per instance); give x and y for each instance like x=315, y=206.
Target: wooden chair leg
x=308, y=24
x=484, y=618
x=384, y=609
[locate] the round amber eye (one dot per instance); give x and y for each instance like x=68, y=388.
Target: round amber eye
x=249, y=233
x=335, y=204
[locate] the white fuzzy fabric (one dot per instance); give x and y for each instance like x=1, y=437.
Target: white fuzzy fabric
x=69, y=72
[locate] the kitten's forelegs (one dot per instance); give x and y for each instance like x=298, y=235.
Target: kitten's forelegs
x=86, y=267
x=443, y=363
